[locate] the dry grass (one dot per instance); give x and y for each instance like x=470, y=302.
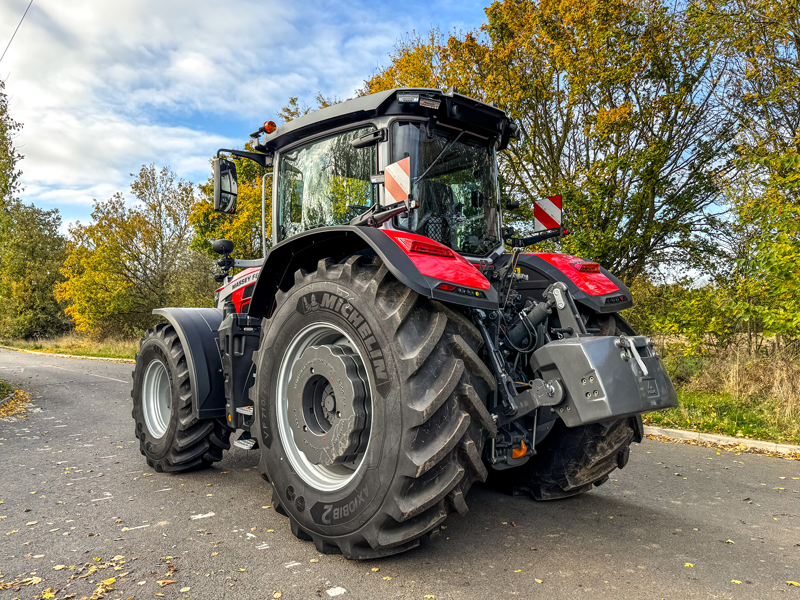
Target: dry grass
x=79, y=345
x=774, y=377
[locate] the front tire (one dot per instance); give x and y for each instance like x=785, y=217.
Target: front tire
x=170, y=437
x=413, y=458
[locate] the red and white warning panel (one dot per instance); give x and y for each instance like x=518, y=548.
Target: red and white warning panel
x=398, y=181
x=547, y=213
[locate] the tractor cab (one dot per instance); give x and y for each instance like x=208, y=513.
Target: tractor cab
x=433, y=151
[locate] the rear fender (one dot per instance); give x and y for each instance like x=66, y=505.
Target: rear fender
x=601, y=292
x=197, y=329
x=305, y=250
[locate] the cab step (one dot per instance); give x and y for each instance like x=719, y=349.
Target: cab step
x=245, y=410
x=246, y=442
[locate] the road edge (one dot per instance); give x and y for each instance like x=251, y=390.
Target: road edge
x=723, y=440
x=98, y=358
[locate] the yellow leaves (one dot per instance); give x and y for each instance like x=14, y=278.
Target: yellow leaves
x=691, y=565
x=110, y=581
x=313, y=560
x=59, y=567
x=165, y=582
x=387, y=578
x=736, y=581
x=538, y=581
x=729, y=542
x=429, y=597
x=185, y=589
x=14, y=531
x=375, y=569
x=518, y=571
x=793, y=583
x=48, y=594
x=277, y=595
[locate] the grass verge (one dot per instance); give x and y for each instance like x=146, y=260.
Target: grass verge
x=77, y=345
x=5, y=389
x=724, y=414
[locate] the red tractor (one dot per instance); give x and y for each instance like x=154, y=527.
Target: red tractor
x=388, y=352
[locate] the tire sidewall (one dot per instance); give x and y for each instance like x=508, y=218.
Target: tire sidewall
x=345, y=510
x=154, y=349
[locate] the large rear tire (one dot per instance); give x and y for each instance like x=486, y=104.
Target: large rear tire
x=571, y=460
x=170, y=437
x=421, y=443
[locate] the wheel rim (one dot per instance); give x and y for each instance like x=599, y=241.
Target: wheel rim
x=157, y=399
x=321, y=477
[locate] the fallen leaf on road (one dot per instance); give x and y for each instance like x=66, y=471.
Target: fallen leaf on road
x=214, y=553
x=736, y=581
x=729, y=542
x=375, y=569
x=48, y=593
x=538, y=580
x=387, y=578
x=277, y=595
x=270, y=531
x=794, y=583
x=688, y=565
x=163, y=582
x=31, y=523
x=59, y=567
x=518, y=571
x=314, y=560
x=185, y=589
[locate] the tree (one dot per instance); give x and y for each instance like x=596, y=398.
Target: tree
x=130, y=260
x=33, y=253
x=9, y=157
x=617, y=104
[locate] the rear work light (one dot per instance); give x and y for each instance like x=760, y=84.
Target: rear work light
x=270, y=127
x=446, y=287
x=586, y=267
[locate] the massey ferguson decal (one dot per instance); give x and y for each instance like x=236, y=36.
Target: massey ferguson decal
x=342, y=306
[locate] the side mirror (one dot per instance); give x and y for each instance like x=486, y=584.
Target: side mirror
x=225, y=186
x=222, y=246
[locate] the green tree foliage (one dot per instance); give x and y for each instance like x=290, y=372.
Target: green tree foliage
x=133, y=258
x=617, y=104
x=9, y=157
x=33, y=253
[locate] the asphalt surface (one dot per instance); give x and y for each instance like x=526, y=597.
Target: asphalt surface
x=678, y=522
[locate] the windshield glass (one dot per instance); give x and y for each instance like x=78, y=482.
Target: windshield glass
x=324, y=183
x=458, y=196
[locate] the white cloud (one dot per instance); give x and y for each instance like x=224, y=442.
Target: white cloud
x=104, y=87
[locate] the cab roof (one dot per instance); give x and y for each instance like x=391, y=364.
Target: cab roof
x=451, y=108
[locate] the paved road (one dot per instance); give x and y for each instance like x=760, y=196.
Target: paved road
x=75, y=489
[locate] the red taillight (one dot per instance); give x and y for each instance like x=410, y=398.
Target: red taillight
x=586, y=267
x=270, y=127
x=423, y=248
x=446, y=287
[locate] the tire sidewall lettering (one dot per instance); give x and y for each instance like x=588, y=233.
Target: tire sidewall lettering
x=341, y=511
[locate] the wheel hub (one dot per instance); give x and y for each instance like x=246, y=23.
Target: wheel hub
x=327, y=404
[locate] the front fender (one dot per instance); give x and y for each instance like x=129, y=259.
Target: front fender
x=197, y=330
x=306, y=249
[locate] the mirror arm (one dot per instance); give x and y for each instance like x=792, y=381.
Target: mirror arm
x=535, y=239
x=265, y=160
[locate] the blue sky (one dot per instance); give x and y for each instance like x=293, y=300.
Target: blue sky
x=102, y=88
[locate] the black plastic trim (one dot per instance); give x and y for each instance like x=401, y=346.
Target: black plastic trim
x=197, y=330
x=304, y=250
